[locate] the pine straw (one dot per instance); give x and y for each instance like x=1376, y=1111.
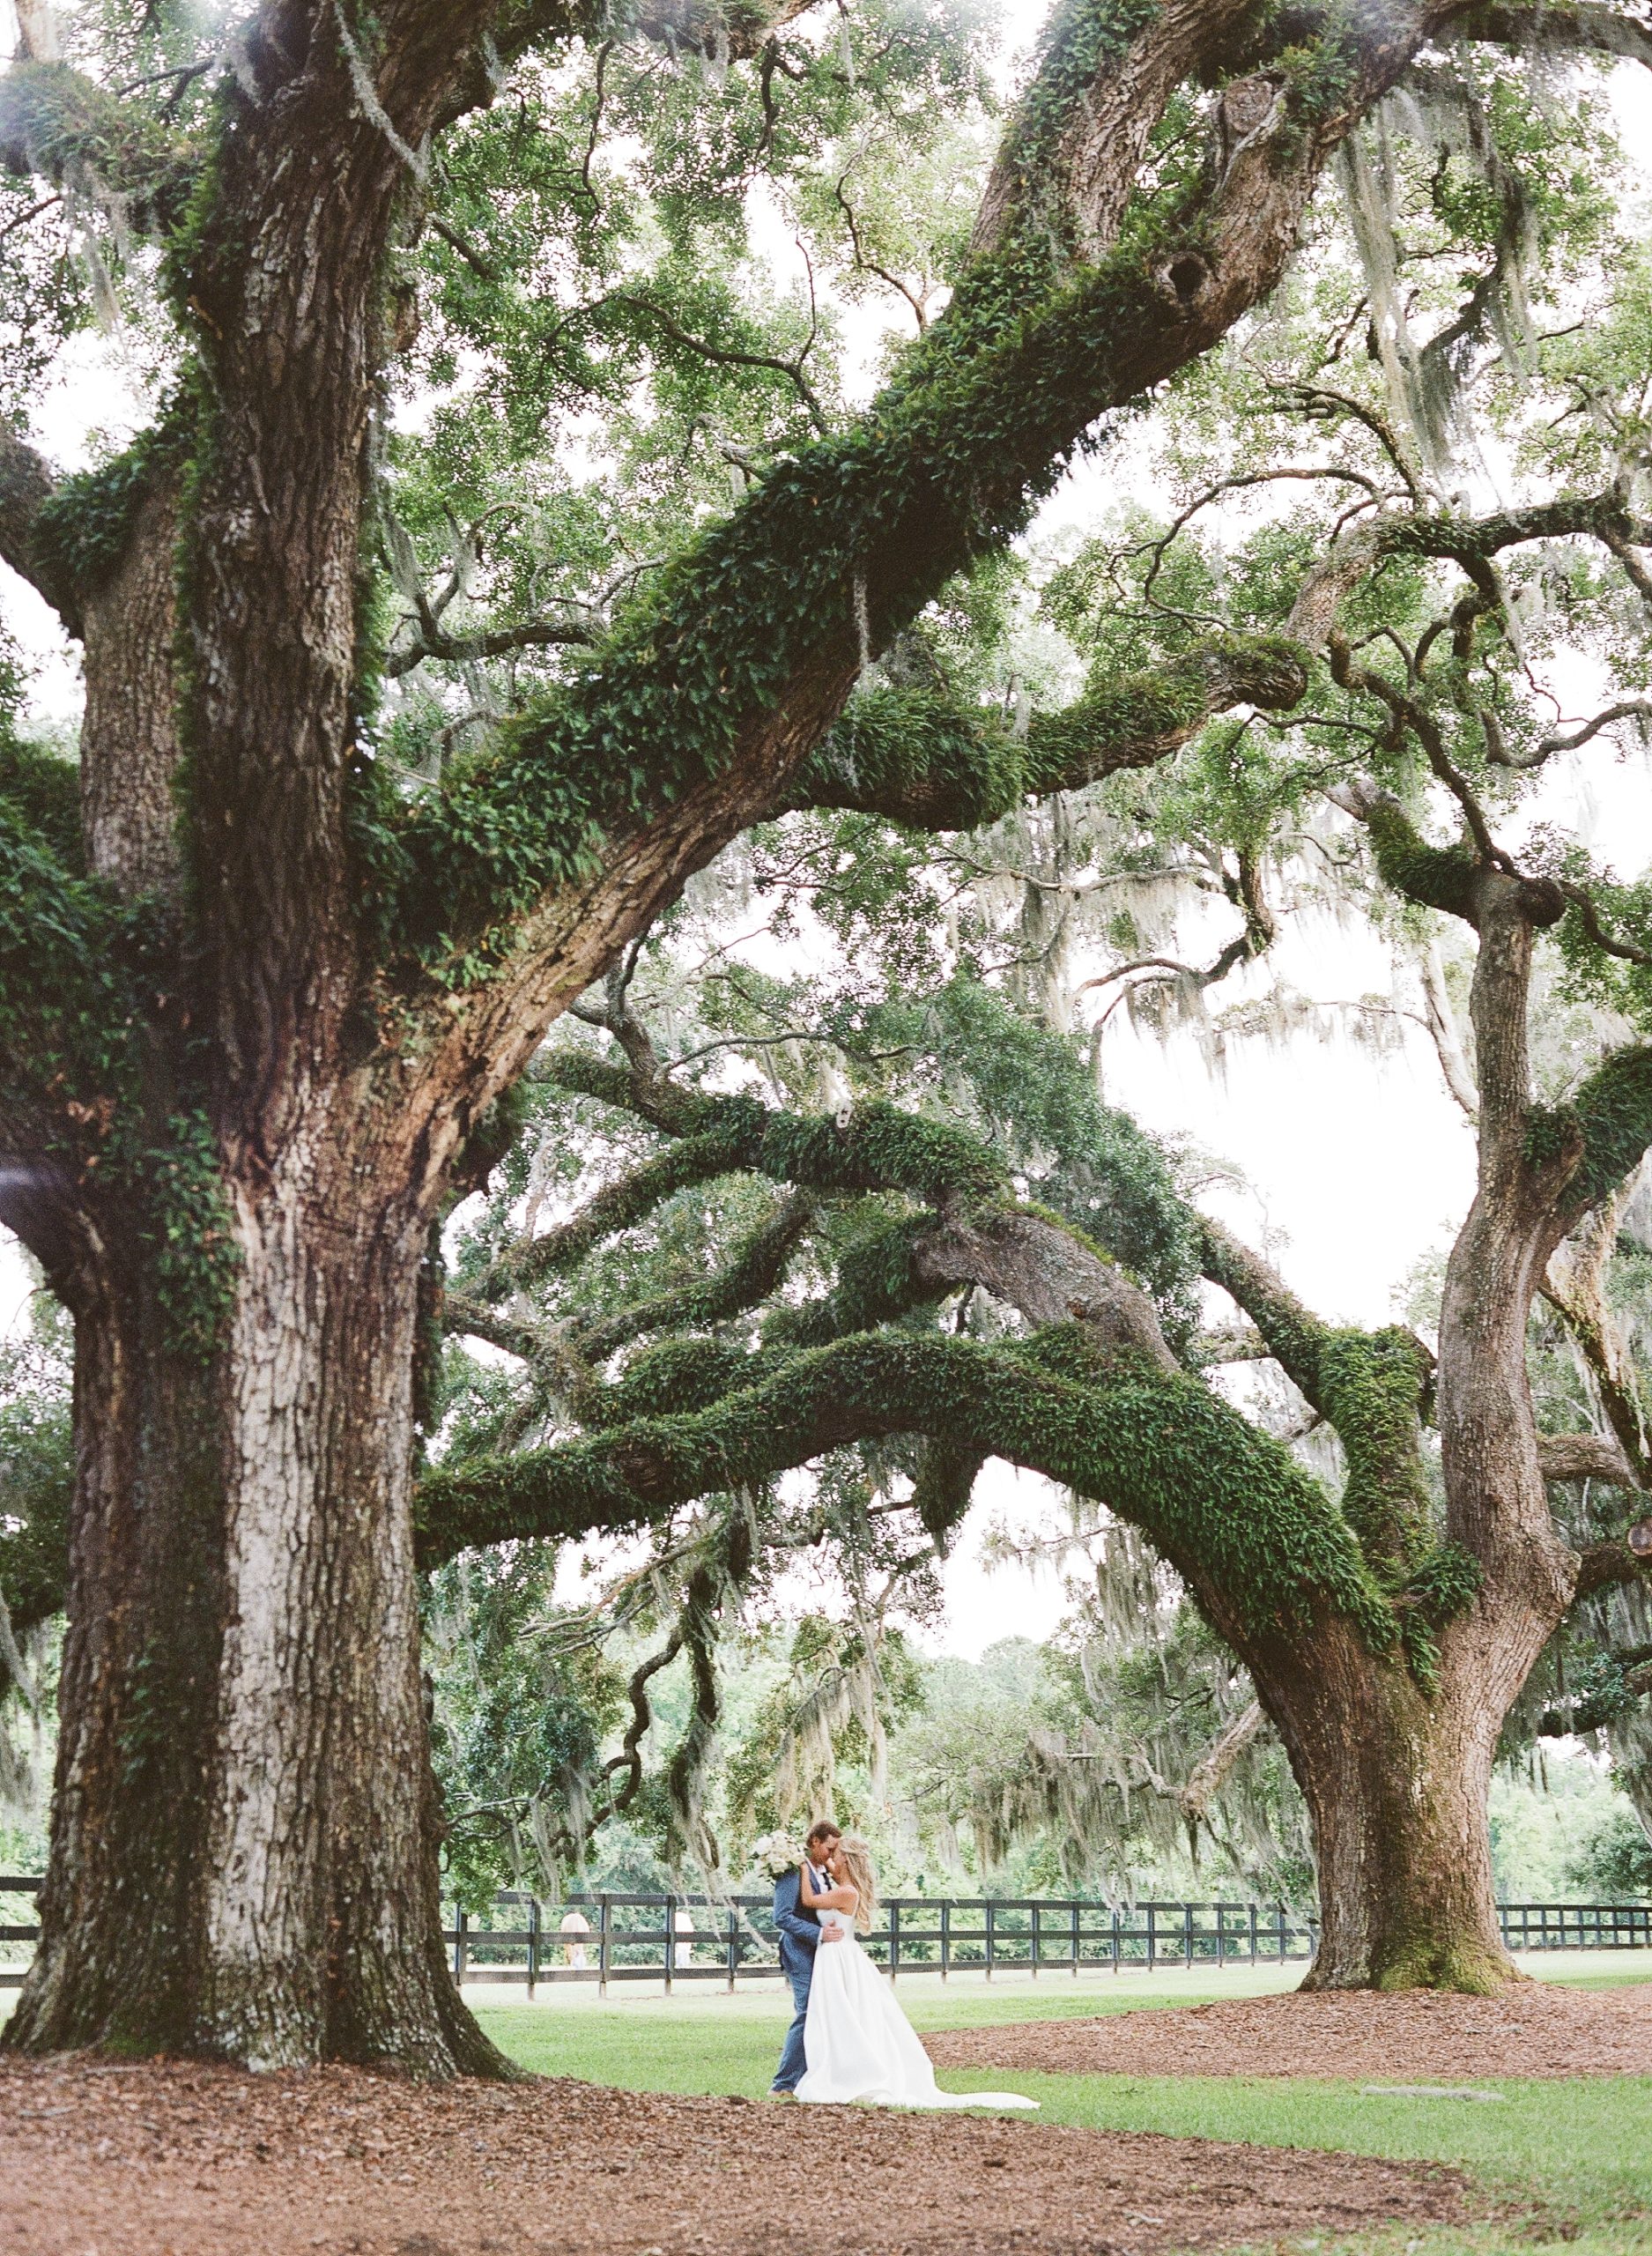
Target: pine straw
x=1534, y=2029
x=163, y=2159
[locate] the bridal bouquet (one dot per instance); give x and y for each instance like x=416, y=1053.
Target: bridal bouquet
x=778, y=1854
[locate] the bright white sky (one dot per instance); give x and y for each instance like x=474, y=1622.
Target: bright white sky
x=1359, y=1165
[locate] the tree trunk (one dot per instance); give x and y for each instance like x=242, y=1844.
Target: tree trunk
x=1396, y=1785
x=1396, y=1778
x=239, y=1868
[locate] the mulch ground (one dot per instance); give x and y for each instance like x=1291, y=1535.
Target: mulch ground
x=1535, y=2029
x=165, y=2160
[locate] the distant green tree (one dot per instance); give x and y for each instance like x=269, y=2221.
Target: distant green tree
x=1615, y=1864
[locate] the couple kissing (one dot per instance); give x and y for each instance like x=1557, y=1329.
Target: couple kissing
x=849, y=2040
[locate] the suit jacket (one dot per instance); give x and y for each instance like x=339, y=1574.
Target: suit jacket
x=799, y=1929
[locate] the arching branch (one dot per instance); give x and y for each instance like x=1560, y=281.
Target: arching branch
x=755, y=638
x=1223, y=1502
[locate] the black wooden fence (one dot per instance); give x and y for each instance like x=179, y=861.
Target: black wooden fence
x=673, y=1939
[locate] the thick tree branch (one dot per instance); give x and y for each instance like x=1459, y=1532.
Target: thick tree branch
x=752, y=642
x=1611, y=1116
x=1158, y=1448
x=57, y=125
x=1581, y=30
x=1371, y=1387
x=915, y=757
x=923, y=761
x=1603, y=1566
x=1586, y=1457
x=706, y=28
x=618, y=1206
x=1576, y=1285
x=492, y=642
x=1451, y=878
x=1043, y=1271
x=26, y=487
x=1594, y=1713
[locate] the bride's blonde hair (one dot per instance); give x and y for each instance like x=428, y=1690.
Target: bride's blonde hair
x=857, y=1856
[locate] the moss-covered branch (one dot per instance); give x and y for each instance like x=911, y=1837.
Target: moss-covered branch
x=876, y=1146
x=1227, y=1505
x=26, y=487
x=1538, y=26
x=720, y=33
x=1447, y=878
x=754, y=1270
x=715, y=691
x=921, y=762
x=1613, y=1113
x=914, y=758
x=618, y=1206
x=1370, y=1386
x=58, y=125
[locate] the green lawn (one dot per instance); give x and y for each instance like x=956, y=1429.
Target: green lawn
x=1581, y=2151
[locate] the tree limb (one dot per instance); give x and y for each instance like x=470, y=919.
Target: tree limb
x=755, y=637
x=1583, y=30
x=26, y=487
x=917, y=758
x=1574, y=1284
x=1194, y=1489
x=1603, y=1565
x=754, y=1271
x=1586, y=1457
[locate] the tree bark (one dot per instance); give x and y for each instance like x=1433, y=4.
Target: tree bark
x=239, y=1868
x=129, y=732
x=1396, y=1781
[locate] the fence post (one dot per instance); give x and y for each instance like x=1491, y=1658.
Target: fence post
x=946, y=1941
x=1253, y=1934
x=458, y=1942
x=894, y=1938
x=604, y=1923
x=671, y=1942
x=1152, y=1938
x=734, y=1945
x=1033, y=1944
x=1187, y=1936
x=1117, y=1945
x=990, y=1938
x=1075, y=1941
x=533, y=1946
x=1281, y=1908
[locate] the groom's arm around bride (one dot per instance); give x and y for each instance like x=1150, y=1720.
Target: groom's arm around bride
x=800, y=1936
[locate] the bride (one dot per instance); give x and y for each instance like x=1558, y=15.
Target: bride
x=857, y=2043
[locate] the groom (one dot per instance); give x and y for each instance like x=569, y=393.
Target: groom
x=801, y=1934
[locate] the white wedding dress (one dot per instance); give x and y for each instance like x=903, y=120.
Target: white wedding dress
x=860, y=2045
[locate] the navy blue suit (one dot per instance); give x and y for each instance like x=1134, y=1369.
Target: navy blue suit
x=799, y=1940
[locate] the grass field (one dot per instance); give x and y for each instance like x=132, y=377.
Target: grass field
x=1578, y=2154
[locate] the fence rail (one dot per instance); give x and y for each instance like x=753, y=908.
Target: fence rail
x=673, y=1939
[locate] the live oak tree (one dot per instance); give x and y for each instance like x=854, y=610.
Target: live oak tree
x=260, y=992
x=676, y=1274
x=1437, y=632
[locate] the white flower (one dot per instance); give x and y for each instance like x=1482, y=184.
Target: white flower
x=778, y=1854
